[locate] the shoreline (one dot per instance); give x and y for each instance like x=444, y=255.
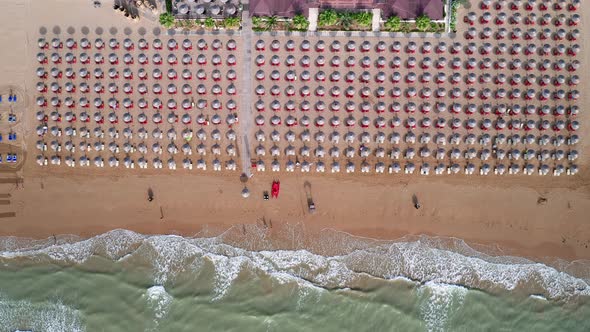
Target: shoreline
x=57, y=247
x=504, y=212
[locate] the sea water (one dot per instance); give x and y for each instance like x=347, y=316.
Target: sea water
x=124, y=281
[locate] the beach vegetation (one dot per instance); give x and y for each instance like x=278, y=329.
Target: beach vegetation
x=264, y=23
x=231, y=22
x=271, y=22
x=331, y=19
x=169, y=6
x=393, y=23
x=454, y=8
x=300, y=22
x=363, y=19
x=346, y=20
x=405, y=27
x=327, y=17
x=167, y=20
x=209, y=23
x=423, y=22
x=257, y=21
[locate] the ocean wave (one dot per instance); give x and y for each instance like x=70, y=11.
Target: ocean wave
x=159, y=302
x=420, y=260
x=438, y=302
x=47, y=316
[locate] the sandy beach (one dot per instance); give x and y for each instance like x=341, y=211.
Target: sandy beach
x=527, y=216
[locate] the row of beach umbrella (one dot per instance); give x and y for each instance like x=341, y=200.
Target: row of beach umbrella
x=128, y=44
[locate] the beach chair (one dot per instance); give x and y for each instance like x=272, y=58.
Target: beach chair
x=0, y=98
x=9, y=98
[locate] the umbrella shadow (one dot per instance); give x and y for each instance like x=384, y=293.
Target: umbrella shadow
x=43, y=30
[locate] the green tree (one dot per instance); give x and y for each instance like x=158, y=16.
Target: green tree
x=231, y=22
x=300, y=22
x=271, y=22
x=167, y=20
x=327, y=17
x=209, y=23
x=363, y=18
x=423, y=22
x=393, y=23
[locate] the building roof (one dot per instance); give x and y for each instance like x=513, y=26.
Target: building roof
x=284, y=8
x=405, y=9
x=412, y=8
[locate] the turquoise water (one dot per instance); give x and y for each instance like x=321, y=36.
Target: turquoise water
x=123, y=281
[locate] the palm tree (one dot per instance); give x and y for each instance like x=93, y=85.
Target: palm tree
x=167, y=20
x=300, y=22
x=231, y=22
x=257, y=21
x=209, y=23
x=393, y=23
x=346, y=20
x=271, y=22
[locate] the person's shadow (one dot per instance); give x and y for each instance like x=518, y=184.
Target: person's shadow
x=307, y=187
x=415, y=201
x=150, y=193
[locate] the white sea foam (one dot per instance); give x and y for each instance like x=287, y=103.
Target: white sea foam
x=24, y=315
x=418, y=261
x=226, y=271
x=538, y=297
x=439, y=302
x=159, y=300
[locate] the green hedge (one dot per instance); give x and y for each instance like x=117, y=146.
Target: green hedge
x=453, y=21
x=169, y=6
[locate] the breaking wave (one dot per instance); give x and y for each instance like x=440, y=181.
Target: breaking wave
x=421, y=261
x=46, y=316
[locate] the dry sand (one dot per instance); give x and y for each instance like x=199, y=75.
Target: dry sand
x=503, y=211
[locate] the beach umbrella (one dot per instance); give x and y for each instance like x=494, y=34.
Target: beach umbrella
x=335, y=46
x=113, y=44
x=275, y=45
x=98, y=43
x=172, y=44
x=172, y=74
